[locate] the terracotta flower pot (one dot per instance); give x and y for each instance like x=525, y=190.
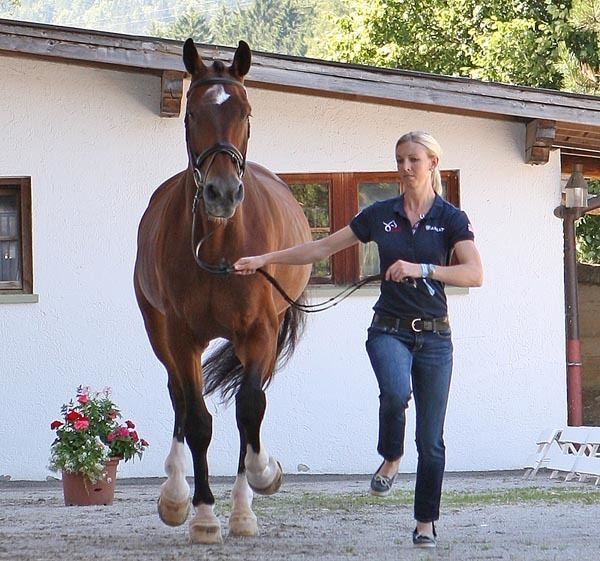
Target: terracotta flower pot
x=79, y=491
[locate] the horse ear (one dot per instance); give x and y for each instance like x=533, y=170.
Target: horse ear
x=191, y=58
x=241, y=60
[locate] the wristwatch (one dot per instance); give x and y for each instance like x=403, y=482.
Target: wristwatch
x=430, y=270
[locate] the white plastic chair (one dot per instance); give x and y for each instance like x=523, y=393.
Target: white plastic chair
x=573, y=446
x=546, y=445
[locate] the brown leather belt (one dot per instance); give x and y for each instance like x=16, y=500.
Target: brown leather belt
x=416, y=325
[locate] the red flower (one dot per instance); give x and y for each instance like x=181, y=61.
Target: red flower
x=55, y=424
x=134, y=436
x=144, y=442
x=130, y=424
x=73, y=416
x=81, y=424
x=110, y=437
x=122, y=432
x=83, y=398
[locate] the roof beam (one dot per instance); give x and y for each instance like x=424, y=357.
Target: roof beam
x=171, y=92
x=539, y=139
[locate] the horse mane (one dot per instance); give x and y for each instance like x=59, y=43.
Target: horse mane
x=224, y=372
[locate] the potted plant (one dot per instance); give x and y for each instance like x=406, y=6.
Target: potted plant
x=90, y=441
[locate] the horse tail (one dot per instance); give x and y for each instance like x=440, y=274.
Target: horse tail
x=224, y=372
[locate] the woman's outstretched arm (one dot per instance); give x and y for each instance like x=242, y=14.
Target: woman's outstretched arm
x=302, y=254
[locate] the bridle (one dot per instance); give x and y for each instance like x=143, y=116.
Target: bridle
x=224, y=267
x=227, y=148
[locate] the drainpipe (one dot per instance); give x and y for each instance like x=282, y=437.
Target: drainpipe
x=574, y=207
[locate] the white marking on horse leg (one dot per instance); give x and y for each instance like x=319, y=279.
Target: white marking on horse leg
x=174, y=499
x=242, y=521
x=205, y=526
x=263, y=471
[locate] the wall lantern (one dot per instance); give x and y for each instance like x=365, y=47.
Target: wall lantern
x=576, y=189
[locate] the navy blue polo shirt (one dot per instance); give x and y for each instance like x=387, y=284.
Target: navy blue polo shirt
x=386, y=224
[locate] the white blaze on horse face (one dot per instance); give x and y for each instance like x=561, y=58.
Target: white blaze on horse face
x=216, y=94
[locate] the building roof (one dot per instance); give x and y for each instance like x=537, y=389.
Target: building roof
x=554, y=119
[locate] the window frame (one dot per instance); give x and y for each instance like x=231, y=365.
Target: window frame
x=22, y=187
x=343, y=206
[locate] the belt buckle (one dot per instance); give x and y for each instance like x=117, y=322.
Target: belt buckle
x=412, y=325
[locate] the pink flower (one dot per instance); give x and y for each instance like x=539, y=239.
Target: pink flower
x=122, y=432
x=130, y=424
x=144, y=442
x=83, y=398
x=110, y=437
x=55, y=424
x=81, y=424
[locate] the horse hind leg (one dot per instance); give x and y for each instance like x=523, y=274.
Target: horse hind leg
x=263, y=472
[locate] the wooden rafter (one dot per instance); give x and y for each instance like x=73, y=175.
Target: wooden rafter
x=539, y=139
x=171, y=91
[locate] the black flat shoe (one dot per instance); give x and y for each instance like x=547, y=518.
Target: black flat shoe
x=420, y=540
x=381, y=486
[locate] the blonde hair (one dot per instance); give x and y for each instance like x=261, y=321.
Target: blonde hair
x=433, y=149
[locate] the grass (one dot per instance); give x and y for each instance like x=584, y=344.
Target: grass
x=349, y=502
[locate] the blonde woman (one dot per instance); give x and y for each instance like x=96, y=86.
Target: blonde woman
x=409, y=341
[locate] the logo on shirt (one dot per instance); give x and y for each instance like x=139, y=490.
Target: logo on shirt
x=434, y=228
x=391, y=226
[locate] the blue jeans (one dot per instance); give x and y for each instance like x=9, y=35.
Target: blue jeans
x=400, y=357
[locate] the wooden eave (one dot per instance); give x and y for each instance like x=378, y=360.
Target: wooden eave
x=576, y=118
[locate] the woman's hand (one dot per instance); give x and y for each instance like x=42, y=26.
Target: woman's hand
x=248, y=265
x=399, y=270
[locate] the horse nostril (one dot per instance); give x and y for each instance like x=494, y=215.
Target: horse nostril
x=239, y=194
x=210, y=191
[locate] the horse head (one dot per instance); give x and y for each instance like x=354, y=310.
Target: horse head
x=217, y=129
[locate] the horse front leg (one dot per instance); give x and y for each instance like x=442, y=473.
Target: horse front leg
x=174, y=497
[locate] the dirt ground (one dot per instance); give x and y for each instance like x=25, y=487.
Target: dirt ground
x=489, y=516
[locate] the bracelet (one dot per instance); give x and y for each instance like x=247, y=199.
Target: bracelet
x=430, y=270
x=424, y=270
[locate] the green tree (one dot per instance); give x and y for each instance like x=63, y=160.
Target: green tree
x=580, y=53
x=277, y=26
x=191, y=23
x=488, y=40
x=588, y=233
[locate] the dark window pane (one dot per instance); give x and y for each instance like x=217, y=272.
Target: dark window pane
x=9, y=239
x=314, y=200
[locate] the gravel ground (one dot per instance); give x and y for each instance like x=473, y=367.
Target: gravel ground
x=492, y=515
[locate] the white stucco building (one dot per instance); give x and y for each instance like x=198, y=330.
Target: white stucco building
x=80, y=119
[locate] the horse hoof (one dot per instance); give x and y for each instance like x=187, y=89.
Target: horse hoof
x=173, y=513
x=272, y=487
x=205, y=532
x=243, y=524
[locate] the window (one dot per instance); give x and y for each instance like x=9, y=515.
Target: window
x=16, y=271
x=330, y=200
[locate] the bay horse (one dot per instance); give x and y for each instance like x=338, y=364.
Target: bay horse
x=218, y=209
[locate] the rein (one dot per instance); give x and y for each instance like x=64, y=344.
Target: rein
x=226, y=268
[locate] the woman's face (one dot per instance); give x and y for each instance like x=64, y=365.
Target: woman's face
x=414, y=164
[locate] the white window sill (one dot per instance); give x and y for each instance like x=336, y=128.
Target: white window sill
x=19, y=298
